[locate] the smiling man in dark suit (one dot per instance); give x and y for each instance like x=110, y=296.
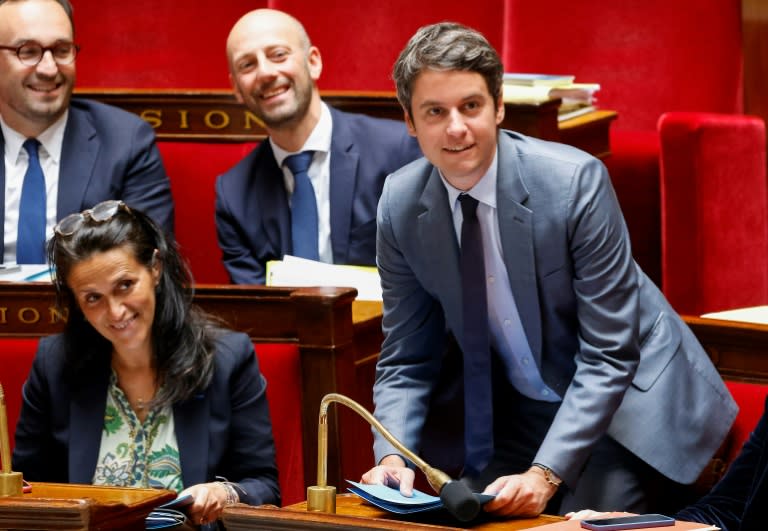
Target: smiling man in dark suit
x=274, y=70
x=88, y=152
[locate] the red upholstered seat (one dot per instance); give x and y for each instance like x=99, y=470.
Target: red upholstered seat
x=193, y=168
x=280, y=365
x=714, y=211
x=16, y=357
x=751, y=400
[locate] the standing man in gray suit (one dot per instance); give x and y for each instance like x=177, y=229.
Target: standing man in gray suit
x=582, y=386
x=82, y=152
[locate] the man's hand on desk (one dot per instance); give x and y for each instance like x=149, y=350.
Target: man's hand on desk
x=523, y=494
x=391, y=472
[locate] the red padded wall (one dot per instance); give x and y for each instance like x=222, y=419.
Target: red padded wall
x=650, y=56
x=168, y=45
x=359, y=41
x=151, y=44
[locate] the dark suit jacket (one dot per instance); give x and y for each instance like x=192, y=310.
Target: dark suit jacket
x=601, y=333
x=107, y=153
x=223, y=431
x=253, y=217
x=738, y=501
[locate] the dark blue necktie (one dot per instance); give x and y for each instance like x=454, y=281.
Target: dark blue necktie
x=478, y=393
x=30, y=244
x=303, y=207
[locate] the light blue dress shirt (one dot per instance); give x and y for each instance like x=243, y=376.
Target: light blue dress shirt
x=507, y=334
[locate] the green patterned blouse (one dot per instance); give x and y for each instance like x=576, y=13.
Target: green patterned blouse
x=133, y=454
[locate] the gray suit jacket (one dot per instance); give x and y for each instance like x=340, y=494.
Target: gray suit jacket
x=107, y=153
x=602, y=334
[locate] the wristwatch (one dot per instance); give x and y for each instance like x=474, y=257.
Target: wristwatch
x=549, y=475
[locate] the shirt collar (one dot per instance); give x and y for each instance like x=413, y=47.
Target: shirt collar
x=51, y=139
x=319, y=139
x=484, y=190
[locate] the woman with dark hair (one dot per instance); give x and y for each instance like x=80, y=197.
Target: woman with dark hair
x=142, y=388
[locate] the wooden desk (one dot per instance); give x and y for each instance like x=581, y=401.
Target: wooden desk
x=80, y=507
x=353, y=514
x=739, y=350
x=216, y=116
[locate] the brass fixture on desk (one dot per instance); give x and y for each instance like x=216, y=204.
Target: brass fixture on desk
x=11, y=483
x=456, y=496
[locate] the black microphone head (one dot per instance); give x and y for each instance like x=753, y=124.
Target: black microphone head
x=459, y=501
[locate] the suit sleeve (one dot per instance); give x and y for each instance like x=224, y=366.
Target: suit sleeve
x=414, y=333
x=146, y=185
x=249, y=459
x=242, y=266
x=603, y=277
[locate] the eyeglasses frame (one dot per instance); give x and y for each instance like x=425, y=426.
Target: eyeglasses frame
x=17, y=50
x=112, y=206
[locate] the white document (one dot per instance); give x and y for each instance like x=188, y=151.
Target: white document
x=300, y=272
x=25, y=273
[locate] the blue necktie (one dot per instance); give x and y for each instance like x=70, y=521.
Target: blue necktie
x=478, y=393
x=303, y=207
x=30, y=244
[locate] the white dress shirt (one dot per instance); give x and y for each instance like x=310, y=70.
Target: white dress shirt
x=16, y=161
x=319, y=172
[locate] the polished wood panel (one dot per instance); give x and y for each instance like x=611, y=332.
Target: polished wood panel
x=353, y=514
x=739, y=350
x=80, y=507
x=216, y=116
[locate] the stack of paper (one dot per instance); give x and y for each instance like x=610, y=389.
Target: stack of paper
x=577, y=98
x=300, y=272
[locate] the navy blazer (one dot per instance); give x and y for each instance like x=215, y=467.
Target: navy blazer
x=253, y=216
x=737, y=502
x=107, y=153
x=223, y=431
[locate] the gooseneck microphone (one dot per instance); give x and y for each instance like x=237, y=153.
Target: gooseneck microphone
x=455, y=495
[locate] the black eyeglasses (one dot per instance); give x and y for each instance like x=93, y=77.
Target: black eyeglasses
x=100, y=213
x=30, y=53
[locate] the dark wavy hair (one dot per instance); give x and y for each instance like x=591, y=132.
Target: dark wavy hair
x=446, y=46
x=182, y=334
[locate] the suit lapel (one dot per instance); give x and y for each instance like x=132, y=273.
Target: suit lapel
x=190, y=419
x=516, y=231
x=437, y=237
x=266, y=181
x=78, y=157
x=86, y=424
x=344, y=162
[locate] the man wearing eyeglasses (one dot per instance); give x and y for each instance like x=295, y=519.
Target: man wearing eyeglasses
x=62, y=155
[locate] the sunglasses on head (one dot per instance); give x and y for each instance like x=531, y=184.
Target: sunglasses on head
x=100, y=213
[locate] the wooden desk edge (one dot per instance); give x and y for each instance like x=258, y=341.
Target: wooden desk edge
x=353, y=513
